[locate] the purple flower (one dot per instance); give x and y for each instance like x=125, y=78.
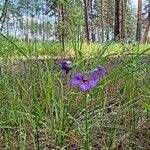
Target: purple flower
x=83, y=81
x=65, y=66
x=97, y=73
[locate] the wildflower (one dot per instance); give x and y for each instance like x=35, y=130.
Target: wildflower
x=83, y=81
x=97, y=73
x=65, y=66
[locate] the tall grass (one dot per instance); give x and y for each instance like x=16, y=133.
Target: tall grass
x=72, y=47
x=39, y=108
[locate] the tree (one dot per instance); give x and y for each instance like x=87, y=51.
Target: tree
x=91, y=21
x=102, y=20
x=86, y=21
x=117, y=20
x=62, y=29
x=4, y=12
x=123, y=20
x=147, y=29
x=139, y=20
x=65, y=20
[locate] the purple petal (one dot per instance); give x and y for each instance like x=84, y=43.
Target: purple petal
x=65, y=66
x=67, y=61
x=97, y=73
x=94, y=76
x=67, y=70
x=92, y=83
x=84, y=87
x=83, y=81
x=76, y=79
x=101, y=71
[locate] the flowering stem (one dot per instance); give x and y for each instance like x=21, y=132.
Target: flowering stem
x=86, y=142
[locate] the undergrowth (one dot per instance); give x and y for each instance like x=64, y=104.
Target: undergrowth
x=39, y=109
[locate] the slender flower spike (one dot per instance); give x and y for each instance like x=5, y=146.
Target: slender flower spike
x=97, y=73
x=83, y=81
x=65, y=66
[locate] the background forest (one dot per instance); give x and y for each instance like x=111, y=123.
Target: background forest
x=93, y=20
x=74, y=74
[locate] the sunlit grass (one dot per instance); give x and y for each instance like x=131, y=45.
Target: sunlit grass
x=54, y=48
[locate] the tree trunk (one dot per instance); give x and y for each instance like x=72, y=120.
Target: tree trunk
x=107, y=33
x=86, y=21
x=63, y=30
x=147, y=29
x=102, y=24
x=108, y=20
x=117, y=21
x=3, y=15
x=27, y=23
x=92, y=28
x=123, y=24
x=139, y=19
x=43, y=23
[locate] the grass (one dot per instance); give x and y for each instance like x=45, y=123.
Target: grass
x=53, y=48
x=39, y=109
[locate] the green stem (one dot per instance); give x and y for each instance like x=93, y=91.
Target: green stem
x=86, y=142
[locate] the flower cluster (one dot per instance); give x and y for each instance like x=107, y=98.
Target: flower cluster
x=81, y=80
x=65, y=66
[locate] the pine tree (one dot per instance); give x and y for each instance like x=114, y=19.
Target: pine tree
x=117, y=20
x=147, y=29
x=139, y=21
x=86, y=18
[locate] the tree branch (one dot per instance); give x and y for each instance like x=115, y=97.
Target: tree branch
x=4, y=12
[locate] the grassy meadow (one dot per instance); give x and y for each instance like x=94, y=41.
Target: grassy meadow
x=40, y=110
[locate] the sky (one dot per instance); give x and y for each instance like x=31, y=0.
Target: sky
x=134, y=2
